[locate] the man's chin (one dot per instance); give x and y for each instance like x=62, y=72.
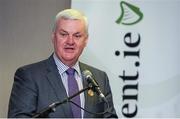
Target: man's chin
x=70, y=59
x=69, y=56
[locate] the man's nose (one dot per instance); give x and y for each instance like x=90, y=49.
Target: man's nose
x=70, y=39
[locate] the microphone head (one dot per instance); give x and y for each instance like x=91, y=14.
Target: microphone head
x=89, y=78
x=87, y=74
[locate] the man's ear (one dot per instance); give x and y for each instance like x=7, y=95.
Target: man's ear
x=53, y=37
x=86, y=40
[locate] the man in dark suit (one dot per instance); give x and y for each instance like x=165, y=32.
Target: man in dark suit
x=40, y=84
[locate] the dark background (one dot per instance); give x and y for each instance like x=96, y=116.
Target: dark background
x=25, y=37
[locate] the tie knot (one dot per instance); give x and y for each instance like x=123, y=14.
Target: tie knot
x=70, y=71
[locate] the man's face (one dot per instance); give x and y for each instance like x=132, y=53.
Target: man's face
x=69, y=40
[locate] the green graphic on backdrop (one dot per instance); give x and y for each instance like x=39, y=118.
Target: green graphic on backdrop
x=130, y=14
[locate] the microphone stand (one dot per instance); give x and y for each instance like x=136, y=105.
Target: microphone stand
x=52, y=107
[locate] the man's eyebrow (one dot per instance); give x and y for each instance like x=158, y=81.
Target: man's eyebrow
x=78, y=33
x=62, y=30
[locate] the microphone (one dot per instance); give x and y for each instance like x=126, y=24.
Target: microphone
x=93, y=84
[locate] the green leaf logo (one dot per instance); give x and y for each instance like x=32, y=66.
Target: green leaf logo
x=130, y=14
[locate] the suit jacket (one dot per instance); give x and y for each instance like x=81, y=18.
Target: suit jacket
x=38, y=85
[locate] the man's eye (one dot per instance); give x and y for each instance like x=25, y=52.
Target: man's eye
x=63, y=34
x=78, y=36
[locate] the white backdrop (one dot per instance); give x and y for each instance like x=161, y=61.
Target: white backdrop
x=147, y=52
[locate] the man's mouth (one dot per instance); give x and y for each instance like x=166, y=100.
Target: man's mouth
x=69, y=49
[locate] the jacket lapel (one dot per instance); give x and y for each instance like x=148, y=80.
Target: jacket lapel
x=55, y=80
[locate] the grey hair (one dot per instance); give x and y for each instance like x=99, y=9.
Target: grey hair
x=72, y=14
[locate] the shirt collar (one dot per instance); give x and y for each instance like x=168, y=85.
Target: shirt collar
x=62, y=67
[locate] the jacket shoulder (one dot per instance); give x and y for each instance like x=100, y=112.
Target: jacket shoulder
x=95, y=71
x=34, y=66
x=41, y=67
x=85, y=66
